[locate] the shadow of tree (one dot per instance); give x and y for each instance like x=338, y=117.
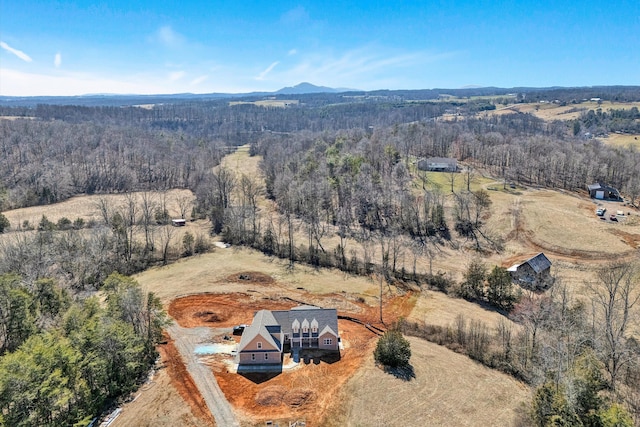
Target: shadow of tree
x=405, y=373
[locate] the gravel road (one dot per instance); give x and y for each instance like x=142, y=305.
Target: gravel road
x=186, y=340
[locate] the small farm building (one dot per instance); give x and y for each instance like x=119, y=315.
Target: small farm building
x=178, y=222
x=603, y=192
x=533, y=274
x=438, y=164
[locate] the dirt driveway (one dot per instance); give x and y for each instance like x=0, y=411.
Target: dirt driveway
x=185, y=340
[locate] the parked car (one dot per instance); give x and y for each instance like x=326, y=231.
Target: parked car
x=601, y=211
x=238, y=329
x=613, y=217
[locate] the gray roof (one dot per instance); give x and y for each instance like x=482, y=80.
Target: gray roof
x=324, y=316
x=538, y=263
x=264, y=324
x=595, y=186
x=447, y=160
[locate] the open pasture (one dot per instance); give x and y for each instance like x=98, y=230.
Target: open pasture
x=447, y=389
x=550, y=111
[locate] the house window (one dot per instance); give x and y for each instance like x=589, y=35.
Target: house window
x=266, y=356
x=328, y=341
x=286, y=337
x=314, y=330
x=305, y=330
x=253, y=356
x=259, y=344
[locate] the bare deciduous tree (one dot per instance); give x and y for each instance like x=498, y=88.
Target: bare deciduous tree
x=615, y=295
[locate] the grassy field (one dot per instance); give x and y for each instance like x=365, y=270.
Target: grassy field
x=448, y=389
x=209, y=273
x=620, y=140
x=550, y=111
x=279, y=103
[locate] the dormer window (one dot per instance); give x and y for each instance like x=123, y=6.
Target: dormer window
x=295, y=326
x=314, y=326
x=305, y=326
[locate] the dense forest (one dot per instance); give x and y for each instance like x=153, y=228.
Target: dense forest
x=339, y=168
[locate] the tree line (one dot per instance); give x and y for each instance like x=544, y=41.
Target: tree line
x=128, y=237
x=43, y=162
x=62, y=362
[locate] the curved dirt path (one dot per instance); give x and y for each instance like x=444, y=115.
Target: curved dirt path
x=186, y=339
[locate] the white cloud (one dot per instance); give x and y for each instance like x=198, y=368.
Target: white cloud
x=292, y=52
x=176, y=75
x=264, y=73
x=168, y=37
x=17, y=83
x=20, y=54
x=57, y=60
x=198, y=80
x=370, y=65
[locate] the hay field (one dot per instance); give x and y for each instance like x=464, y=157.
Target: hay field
x=550, y=111
x=436, y=308
x=210, y=272
x=622, y=140
x=448, y=389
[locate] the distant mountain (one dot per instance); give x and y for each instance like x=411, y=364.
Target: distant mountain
x=312, y=93
x=305, y=87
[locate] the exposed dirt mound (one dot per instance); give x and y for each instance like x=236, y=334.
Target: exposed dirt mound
x=254, y=277
x=299, y=397
x=221, y=310
x=208, y=316
x=271, y=396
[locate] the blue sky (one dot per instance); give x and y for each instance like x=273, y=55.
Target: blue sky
x=162, y=46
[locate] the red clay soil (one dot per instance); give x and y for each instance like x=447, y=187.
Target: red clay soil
x=182, y=381
x=222, y=310
x=307, y=392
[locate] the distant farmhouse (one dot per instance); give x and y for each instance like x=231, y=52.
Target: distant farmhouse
x=533, y=274
x=273, y=332
x=603, y=192
x=438, y=164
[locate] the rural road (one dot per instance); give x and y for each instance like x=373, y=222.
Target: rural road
x=186, y=340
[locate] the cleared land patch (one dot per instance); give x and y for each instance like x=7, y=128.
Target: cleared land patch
x=307, y=391
x=550, y=111
x=208, y=273
x=448, y=389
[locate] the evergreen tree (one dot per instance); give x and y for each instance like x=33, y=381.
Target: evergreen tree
x=501, y=292
x=393, y=350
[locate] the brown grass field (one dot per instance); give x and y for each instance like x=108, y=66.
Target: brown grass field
x=448, y=390
x=550, y=111
x=622, y=140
